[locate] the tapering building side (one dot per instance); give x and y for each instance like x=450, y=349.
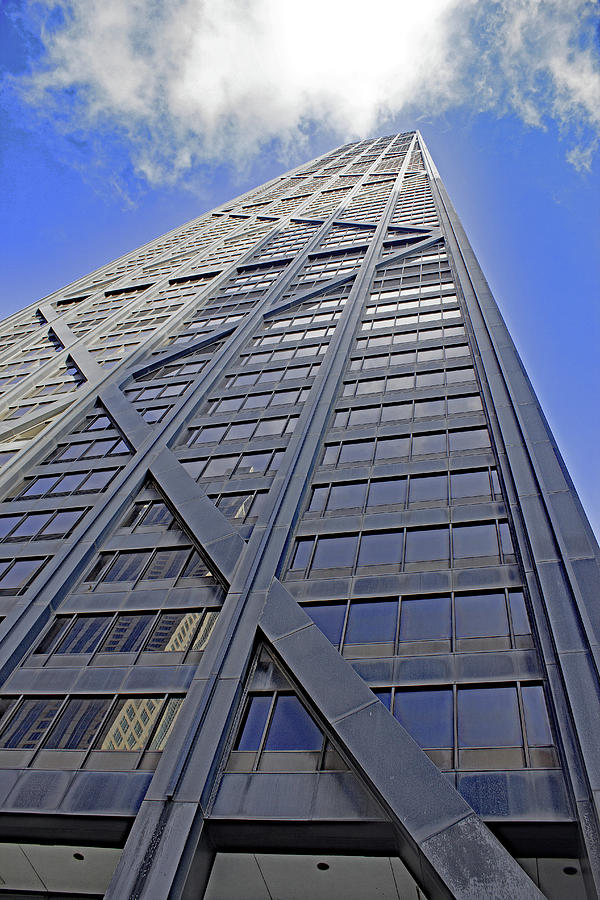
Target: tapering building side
x=298, y=598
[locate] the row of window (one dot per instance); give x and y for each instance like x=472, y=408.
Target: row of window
x=267, y=376
x=133, y=566
x=408, y=410
x=95, y=449
x=318, y=318
x=240, y=431
x=439, y=489
x=411, y=319
x=257, y=463
x=474, y=725
x=410, y=549
x=71, y=483
x=131, y=724
x=149, y=632
x=39, y=526
x=258, y=401
x=172, y=389
x=449, y=622
x=262, y=357
x=285, y=337
x=409, y=381
x=409, y=337
x=17, y=574
x=385, y=448
x=409, y=357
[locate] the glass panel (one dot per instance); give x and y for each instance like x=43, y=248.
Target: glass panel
x=221, y=465
x=17, y=577
x=210, y=434
x=78, y=725
x=481, y=615
x=254, y=462
x=52, y=636
x=427, y=716
x=240, y=430
x=427, y=545
x=302, y=553
x=292, y=728
x=158, y=514
x=382, y=548
x=174, y=631
x=390, y=448
x=96, y=481
x=474, y=540
x=537, y=723
x=347, y=496
x=372, y=622
x=255, y=720
x=6, y=523
x=165, y=726
x=85, y=634
x=127, y=633
x=518, y=612
x=429, y=443
x=62, y=523
x=475, y=439
x=488, y=717
x=317, y=501
x=130, y=724
x=366, y=416
x=39, y=487
x=208, y=623
x=166, y=564
x=428, y=487
x=31, y=524
x=31, y=722
x=270, y=427
x=127, y=566
x=470, y=484
x=389, y=492
x=358, y=451
x=329, y=618
x=195, y=567
x=335, y=552
x=425, y=619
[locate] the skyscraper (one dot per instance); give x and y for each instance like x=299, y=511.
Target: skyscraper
x=298, y=597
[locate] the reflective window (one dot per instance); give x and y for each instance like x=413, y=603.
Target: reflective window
x=427, y=715
x=78, y=724
x=425, y=619
x=291, y=727
x=372, y=622
x=488, y=717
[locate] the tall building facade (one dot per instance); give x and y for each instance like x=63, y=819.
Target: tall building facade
x=298, y=598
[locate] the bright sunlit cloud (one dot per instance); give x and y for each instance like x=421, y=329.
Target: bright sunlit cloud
x=187, y=82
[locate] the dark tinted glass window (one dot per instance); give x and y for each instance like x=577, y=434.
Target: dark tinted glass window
x=389, y=492
x=480, y=615
x=488, y=717
x=166, y=564
x=85, y=634
x=382, y=548
x=518, y=611
x=174, y=631
x=428, y=487
x=427, y=544
x=347, y=496
x=474, y=540
x=470, y=484
x=425, y=619
x=53, y=635
x=427, y=716
x=335, y=552
x=372, y=622
x=30, y=724
x=302, y=553
x=62, y=523
x=392, y=448
x=31, y=524
x=360, y=451
x=474, y=439
x=78, y=724
x=429, y=443
x=291, y=727
x=127, y=566
x=254, y=723
x=127, y=633
x=537, y=723
x=329, y=618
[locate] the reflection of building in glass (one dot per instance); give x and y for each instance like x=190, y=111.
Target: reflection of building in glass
x=298, y=596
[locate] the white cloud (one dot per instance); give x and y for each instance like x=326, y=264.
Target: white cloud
x=189, y=81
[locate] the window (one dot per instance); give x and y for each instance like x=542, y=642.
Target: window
x=427, y=716
x=17, y=574
x=78, y=724
x=381, y=548
x=128, y=566
x=335, y=552
x=428, y=545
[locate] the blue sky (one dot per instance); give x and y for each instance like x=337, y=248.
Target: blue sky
x=122, y=120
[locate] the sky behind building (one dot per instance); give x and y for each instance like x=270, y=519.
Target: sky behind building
x=122, y=121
